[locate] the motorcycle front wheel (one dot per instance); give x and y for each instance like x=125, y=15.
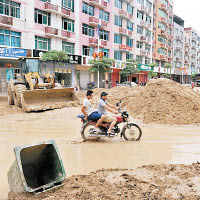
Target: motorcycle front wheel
x=131, y=132
x=86, y=130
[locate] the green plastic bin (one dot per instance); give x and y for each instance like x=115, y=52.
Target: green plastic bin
x=37, y=168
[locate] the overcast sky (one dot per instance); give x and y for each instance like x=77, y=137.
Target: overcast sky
x=189, y=11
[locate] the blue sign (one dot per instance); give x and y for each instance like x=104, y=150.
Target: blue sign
x=12, y=52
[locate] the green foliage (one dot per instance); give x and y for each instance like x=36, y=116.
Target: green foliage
x=167, y=75
x=153, y=65
x=152, y=74
x=130, y=67
x=101, y=65
x=168, y=65
x=54, y=55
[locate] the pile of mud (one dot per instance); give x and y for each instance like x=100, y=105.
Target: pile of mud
x=146, y=182
x=161, y=101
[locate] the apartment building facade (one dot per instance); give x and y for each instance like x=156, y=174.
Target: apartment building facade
x=163, y=36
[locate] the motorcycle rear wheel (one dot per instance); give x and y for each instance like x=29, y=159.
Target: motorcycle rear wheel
x=85, y=132
x=132, y=132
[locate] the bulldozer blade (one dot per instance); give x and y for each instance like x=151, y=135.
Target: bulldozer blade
x=47, y=99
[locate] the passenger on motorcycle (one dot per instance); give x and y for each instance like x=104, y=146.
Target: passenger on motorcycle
x=89, y=112
x=103, y=106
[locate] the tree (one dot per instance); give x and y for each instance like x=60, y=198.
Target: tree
x=153, y=65
x=152, y=74
x=168, y=65
x=167, y=75
x=130, y=68
x=55, y=56
x=101, y=65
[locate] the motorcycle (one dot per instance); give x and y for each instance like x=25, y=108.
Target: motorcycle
x=91, y=85
x=130, y=131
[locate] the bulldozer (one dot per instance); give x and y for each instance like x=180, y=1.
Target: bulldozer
x=36, y=91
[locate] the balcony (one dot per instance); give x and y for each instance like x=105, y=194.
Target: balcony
x=130, y=33
x=169, y=48
x=178, y=37
x=164, y=20
x=125, y=47
x=179, y=48
x=163, y=57
x=193, y=55
x=164, y=33
x=124, y=14
x=187, y=45
x=144, y=53
x=186, y=62
x=145, y=10
x=122, y=31
x=65, y=11
x=93, y=42
x=178, y=59
x=103, y=43
x=129, y=1
x=144, y=39
x=194, y=39
x=163, y=45
x=66, y=34
x=50, y=7
x=170, y=59
x=103, y=24
x=145, y=25
x=93, y=21
x=163, y=7
x=51, y=31
x=99, y=3
x=6, y=21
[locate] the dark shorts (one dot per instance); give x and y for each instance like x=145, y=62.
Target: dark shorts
x=94, y=116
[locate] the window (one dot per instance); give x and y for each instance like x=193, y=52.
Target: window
x=148, y=19
x=68, y=47
x=162, y=51
x=68, y=24
x=68, y=4
x=147, y=47
x=16, y=72
x=162, y=13
x=118, y=4
x=10, y=38
x=42, y=17
x=147, y=60
x=88, y=30
x=140, y=15
x=148, y=33
x=45, y=0
x=129, y=9
x=141, y=1
x=149, y=5
x=139, y=45
x=139, y=59
x=104, y=15
x=140, y=30
x=42, y=43
x=105, y=52
x=129, y=42
x=118, y=21
x=10, y=8
x=87, y=9
x=117, y=39
x=129, y=26
x=88, y=51
x=104, y=35
x=162, y=39
x=117, y=55
x=129, y=56
x=162, y=26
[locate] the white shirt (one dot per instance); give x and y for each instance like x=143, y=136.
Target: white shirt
x=88, y=106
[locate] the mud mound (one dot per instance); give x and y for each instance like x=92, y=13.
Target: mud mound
x=166, y=102
x=147, y=182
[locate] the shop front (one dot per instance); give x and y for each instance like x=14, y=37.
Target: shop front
x=9, y=65
x=115, y=77
x=142, y=75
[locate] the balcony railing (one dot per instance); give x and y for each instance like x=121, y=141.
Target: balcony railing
x=163, y=7
x=123, y=13
x=163, y=45
x=145, y=10
x=104, y=24
x=144, y=39
x=94, y=21
x=164, y=20
x=125, y=47
x=93, y=41
x=163, y=57
x=66, y=34
x=6, y=21
x=99, y=3
x=164, y=33
x=144, y=53
x=187, y=44
x=51, y=31
x=130, y=33
x=103, y=43
x=178, y=37
x=123, y=31
x=65, y=11
x=51, y=7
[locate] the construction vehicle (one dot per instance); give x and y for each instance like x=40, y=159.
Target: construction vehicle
x=34, y=91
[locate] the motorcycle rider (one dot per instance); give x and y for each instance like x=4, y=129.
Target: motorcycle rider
x=89, y=113
x=103, y=106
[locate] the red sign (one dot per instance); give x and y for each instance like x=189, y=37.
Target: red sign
x=125, y=47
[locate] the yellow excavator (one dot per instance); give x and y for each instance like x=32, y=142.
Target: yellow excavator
x=34, y=91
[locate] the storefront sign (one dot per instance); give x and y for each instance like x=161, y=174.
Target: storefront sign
x=74, y=59
x=142, y=67
x=12, y=52
x=125, y=47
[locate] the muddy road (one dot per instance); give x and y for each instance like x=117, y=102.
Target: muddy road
x=159, y=144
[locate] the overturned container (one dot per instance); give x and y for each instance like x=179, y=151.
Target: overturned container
x=37, y=168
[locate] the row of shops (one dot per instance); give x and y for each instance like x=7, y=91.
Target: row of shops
x=74, y=73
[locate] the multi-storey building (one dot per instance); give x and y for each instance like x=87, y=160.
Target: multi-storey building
x=191, y=47
x=163, y=32
x=178, y=49
x=198, y=54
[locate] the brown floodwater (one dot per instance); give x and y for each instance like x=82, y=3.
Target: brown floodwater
x=159, y=144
